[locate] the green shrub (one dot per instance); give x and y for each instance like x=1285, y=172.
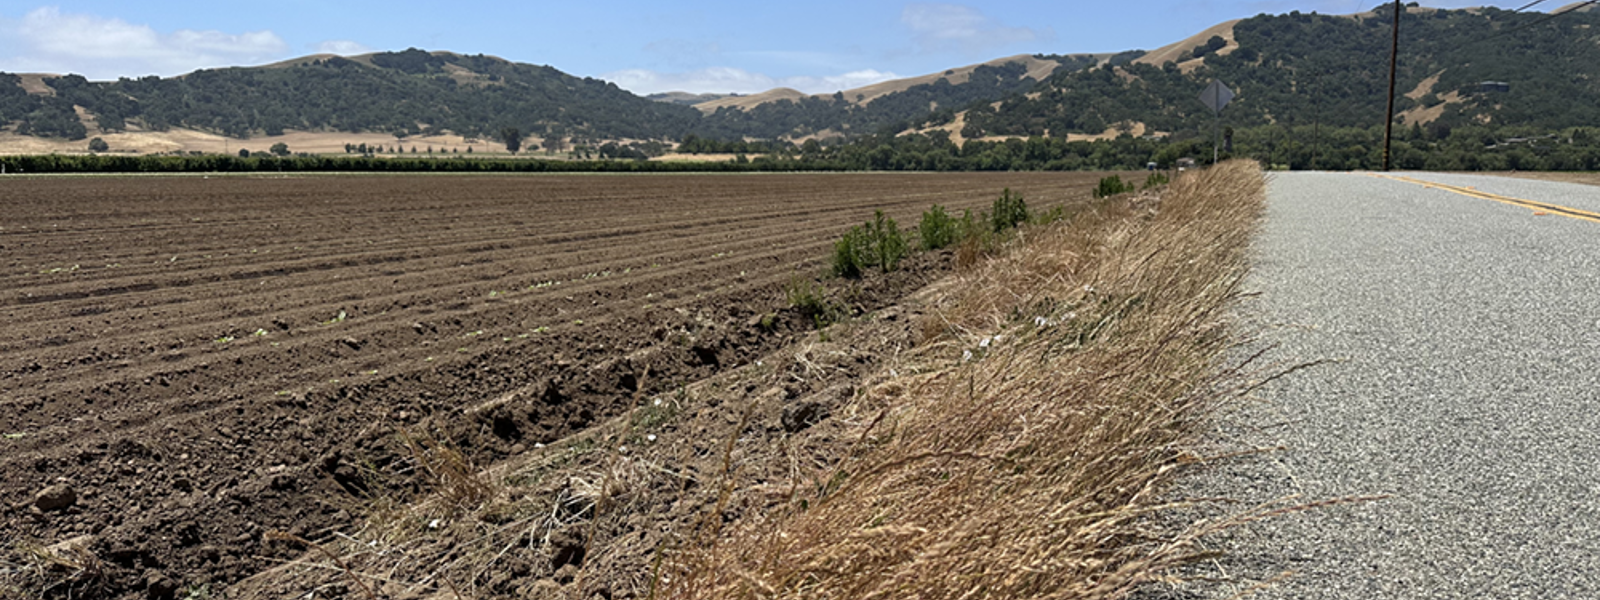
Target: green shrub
x=888, y=245
x=850, y=253
x=938, y=228
x=810, y=298
x=876, y=243
x=846, y=258
x=1111, y=186
x=1009, y=211
x=975, y=228
x=968, y=226
x=1155, y=180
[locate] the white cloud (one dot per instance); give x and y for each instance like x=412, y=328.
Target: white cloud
x=725, y=80
x=944, y=27
x=102, y=48
x=682, y=54
x=343, y=48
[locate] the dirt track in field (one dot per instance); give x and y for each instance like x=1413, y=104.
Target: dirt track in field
x=203, y=360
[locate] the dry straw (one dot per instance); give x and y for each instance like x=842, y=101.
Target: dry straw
x=1070, y=374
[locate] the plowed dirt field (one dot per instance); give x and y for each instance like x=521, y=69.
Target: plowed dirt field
x=201, y=360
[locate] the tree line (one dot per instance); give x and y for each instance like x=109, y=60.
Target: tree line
x=1436, y=147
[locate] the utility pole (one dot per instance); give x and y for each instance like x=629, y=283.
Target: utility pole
x=1316, y=129
x=1394, y=57
x=1216, y=96
x=1216, y=138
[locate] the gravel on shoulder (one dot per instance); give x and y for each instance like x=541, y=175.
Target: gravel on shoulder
x=1464, y=382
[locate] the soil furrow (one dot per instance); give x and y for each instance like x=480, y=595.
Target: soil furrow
x=186, y=435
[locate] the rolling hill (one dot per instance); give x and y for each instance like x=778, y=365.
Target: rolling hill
x=1289, y=70
x=1304, y=69
x=888, y=106
x=425, y=94
x=413, y=92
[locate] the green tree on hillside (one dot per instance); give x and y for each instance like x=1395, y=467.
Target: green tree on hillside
x=98, y=145
x=279, y=149
x=513, y=139
x=1212, y=45
x=554, y=143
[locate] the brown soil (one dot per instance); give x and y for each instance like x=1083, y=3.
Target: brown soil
x=678, y=467
x=203, y=360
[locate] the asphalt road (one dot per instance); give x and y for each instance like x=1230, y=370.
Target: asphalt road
x=1467, y=387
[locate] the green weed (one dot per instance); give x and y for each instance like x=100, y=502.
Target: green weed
x=937, y=229
x=654, y=413
x=1110, y=186
x=810, y=298
x=876, y=243
x=1009, y=211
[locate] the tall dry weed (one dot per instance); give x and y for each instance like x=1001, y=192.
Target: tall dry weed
x=1076, y=370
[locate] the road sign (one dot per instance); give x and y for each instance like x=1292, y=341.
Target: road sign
x=1216, y=96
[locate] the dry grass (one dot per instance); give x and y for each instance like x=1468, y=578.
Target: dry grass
x=1181, y=52
x=1029, y=455
x=1589, y=178
x=67, y=569
x=1019, y=450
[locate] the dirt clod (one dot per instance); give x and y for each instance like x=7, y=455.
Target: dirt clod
x=566, y=549
x=157, y=586
x=56, y=497
x=800, y=416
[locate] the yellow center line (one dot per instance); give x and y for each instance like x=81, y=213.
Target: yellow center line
x=1537, y=207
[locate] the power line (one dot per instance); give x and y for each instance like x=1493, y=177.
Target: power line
x=1552, y=16
x=1529, y=5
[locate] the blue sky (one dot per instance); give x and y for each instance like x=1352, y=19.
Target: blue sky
x=644, y=46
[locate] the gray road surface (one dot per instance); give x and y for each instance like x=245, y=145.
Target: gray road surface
x=1468, y=388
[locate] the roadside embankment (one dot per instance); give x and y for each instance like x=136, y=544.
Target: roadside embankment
x=1022, y=449
x=1007, y=431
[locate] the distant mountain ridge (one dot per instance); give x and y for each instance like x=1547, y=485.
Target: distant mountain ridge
x=888, y=106
x=1036, y=67
x=411, y=91
x=686, y=98
x=421, y=93
x=1294, y=69
x=1304, y=69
